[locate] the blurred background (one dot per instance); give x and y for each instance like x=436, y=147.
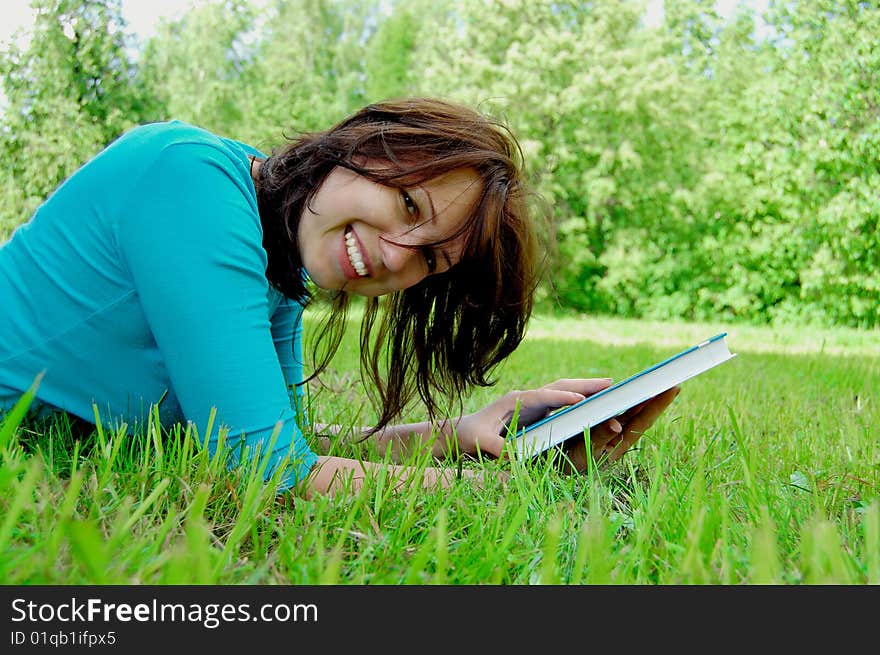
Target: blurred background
x=696, y=160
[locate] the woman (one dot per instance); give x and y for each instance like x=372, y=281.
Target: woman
x=172, y=270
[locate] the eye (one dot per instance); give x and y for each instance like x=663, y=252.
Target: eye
x=411, y=207
x=430, y=259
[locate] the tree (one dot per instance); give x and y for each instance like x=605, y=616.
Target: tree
x=70, y=92
x=389, y=56
x=309, y=70
x=605, y=116
x=197, y=68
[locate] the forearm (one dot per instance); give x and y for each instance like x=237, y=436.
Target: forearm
x=402, y=440
x=332, y=475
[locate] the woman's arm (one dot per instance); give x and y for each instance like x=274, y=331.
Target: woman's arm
x=205, y=302
x=483, y=431
x=406, y=439
x=403, y=440
x=332, y=475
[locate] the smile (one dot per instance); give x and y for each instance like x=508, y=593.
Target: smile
x=354, y=253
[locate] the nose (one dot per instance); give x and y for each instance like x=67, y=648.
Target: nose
x=397, y=254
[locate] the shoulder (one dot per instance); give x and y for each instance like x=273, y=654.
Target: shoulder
x=175, y=158
x=184, y=185
x=152, y=141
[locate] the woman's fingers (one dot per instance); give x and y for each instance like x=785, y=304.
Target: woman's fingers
x=583, y=386
x=611, y=438
x=640, y=423
x=608, y=440
x=535, y=404
x=603, y=433
x=549, y=397
x=531, y=406
x=575, y=459
x=560, y=393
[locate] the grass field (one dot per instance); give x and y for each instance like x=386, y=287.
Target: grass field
x=765, y=470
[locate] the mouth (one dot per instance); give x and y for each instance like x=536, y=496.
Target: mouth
x=355, y=257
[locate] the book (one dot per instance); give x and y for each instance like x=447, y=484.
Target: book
x=574, y=420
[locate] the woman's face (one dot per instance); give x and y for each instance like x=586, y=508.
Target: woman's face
x=353, y=236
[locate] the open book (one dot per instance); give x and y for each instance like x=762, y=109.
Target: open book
x=574, y=420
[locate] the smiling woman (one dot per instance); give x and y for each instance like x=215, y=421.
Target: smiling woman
x=171, y=271
x=384, y=239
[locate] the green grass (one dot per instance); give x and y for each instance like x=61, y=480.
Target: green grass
x=765, y=470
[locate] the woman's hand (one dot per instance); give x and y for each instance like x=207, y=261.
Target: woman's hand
x=611, y=439
x=484, y=431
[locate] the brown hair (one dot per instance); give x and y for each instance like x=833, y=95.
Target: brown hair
x=450, y=330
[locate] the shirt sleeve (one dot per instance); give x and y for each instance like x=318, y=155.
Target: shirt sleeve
x=193, y=246
x=287, y=335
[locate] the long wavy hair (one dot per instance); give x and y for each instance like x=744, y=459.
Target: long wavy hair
x=446, y=333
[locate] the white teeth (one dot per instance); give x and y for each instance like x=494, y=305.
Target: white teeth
x=354, y=255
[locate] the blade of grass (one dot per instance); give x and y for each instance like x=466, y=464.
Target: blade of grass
x=89, y=549
x=16, y=415
x=871, y=523
x=23, y=494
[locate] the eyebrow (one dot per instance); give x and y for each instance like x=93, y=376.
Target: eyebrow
x=432, y=219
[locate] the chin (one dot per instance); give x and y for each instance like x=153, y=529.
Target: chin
x=320, y=280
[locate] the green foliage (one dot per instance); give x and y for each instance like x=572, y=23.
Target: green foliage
x=707, y=167
x=389, y=61
x=68, y=94
x=195, y=68
x=308, y=73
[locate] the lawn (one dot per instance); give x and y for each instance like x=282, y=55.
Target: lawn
x=764, y=470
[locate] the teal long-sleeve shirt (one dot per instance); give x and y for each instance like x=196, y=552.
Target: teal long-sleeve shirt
x=142, y=278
